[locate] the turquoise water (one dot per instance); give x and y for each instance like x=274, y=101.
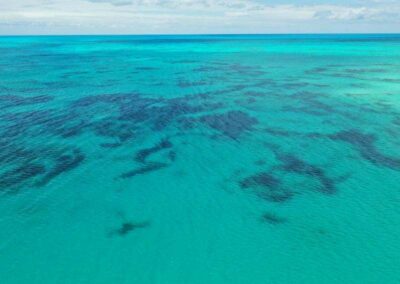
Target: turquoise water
x=200, y=159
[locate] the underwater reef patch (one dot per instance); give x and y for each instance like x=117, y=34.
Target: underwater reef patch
x=17, y=176
x=188, y=84
x=178, y=108
x=67, y=127
x=133, y=100
x=317, y=70
x=128, y=227
x=142, y=155
x=16, y=154
x=146, y=68
x=172, y=155
x=149, y=167
x=14, y=100
x=365, y=145
x=254, y=94
x=232, y=124
x=64, y=163
x=110, y=145
x=294, y=164
x=260, y=179
x=272, y=218
x=267, y=186
x=114, y=129
x=27, y=119
x=312, y=104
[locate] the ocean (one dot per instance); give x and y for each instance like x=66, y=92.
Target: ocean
x=200, y=159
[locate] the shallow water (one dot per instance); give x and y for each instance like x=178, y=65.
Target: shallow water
x=200, y=159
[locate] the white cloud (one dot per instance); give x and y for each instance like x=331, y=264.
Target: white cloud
x=353, y=13
x=113, y=2
x=190, y=16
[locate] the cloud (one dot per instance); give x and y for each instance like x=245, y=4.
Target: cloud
x=178, y=4
x=200, y=16
x=345, y=14
x=113, y=2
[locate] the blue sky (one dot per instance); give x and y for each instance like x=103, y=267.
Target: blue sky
x=198, y=17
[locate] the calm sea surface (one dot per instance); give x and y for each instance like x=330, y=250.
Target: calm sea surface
x=200, y=159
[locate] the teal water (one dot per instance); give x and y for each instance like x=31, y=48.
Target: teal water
x=200, y=159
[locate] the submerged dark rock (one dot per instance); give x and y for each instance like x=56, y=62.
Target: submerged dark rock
x=146, y=68
x=296, y=165
x=73, y=129
x=260, y=162
x=13, y=153
x=110, y=145
x=172, y=156
x=276, y=195
x=128, y=227
x=142, y=155
x=128, y=112
x=187, y=84
x=316, y=70
x=306, y=110
x=254, y=94
x=62, y=164
x=150, y=167
x=272, y=218
x=113, y=129
x=267, y=187
x=27, y=119
x=13, y=100
x=260, y=179
x=290, y=133
x=116, y=99
x=365, y=145
x=19, y=175
x=232, y=124
x=178, y=108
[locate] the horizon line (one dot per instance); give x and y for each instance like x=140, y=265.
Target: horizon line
x=201, y=34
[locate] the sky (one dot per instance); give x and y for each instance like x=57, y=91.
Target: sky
x=19, y=17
